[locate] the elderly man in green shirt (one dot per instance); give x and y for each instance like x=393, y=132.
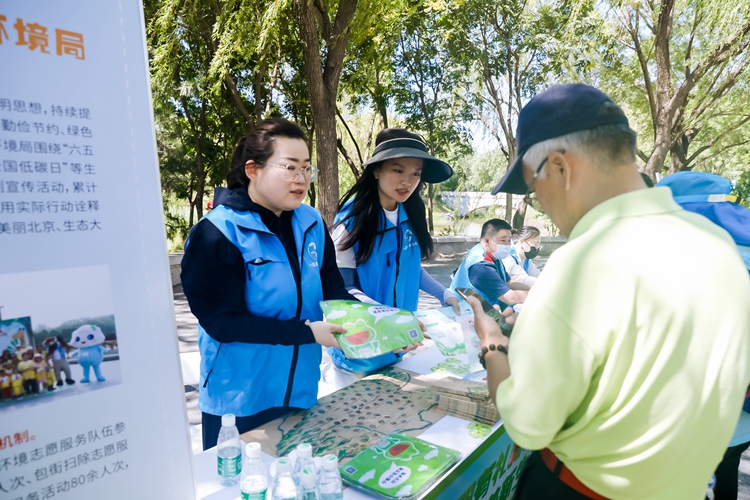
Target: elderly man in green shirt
x=626, y=370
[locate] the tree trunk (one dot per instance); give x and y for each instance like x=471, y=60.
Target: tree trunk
x=508, y=207
x=200, y=189
x=519, y=218
x=313, y=193
x=380, y=99
x=199, y=133
x=327, y=156
x=430, y=218
x=323, y=81
x=236, y=99
x=348, y=159
x=664, y=111
x=258, y=90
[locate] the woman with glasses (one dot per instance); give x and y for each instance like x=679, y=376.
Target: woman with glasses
x=254, y=270
x=381, y=235
x=526, y=246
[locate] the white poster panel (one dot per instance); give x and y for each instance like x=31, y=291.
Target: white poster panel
x=92, y=399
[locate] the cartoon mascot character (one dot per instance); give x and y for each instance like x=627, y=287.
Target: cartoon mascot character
x=88, y=339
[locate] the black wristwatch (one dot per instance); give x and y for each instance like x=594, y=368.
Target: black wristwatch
x=492, y=347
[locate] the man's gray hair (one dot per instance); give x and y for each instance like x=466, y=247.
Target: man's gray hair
x=606, y=146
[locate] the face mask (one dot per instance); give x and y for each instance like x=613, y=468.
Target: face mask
x=532, y=253
x=501, y=252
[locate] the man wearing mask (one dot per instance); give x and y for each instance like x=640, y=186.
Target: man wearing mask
x=482, y=268
x=624, y=372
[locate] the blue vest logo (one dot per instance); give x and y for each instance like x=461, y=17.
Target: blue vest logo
x=409, y=240
x=312, y=251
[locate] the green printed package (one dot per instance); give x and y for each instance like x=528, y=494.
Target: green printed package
x=371, y=330
x=398, y=466
x=444, y=329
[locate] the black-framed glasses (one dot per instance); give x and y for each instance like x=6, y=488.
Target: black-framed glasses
x=292, y=172
x=530, y=199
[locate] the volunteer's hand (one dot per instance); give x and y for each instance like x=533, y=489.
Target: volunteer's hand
x=408, y=348
x=423, y=328
x=487, y=329
x=323, y=333
x=453, y=301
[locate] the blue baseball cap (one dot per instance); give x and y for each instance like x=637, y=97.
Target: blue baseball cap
x=559, y=110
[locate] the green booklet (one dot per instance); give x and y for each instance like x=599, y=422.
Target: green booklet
x=371, y=330
x=398, y=466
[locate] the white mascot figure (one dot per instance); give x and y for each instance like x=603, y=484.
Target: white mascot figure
x=88, y=339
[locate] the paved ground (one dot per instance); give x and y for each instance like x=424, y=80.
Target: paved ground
x=187, y=333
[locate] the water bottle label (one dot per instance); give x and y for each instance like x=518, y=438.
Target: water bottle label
x=261, y=495
x=231, y=466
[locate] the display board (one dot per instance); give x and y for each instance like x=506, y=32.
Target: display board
x=100, y=411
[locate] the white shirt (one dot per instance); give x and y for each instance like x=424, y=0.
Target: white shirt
x=517, y=272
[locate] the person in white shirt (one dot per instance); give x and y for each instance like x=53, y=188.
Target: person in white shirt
x=526, y=246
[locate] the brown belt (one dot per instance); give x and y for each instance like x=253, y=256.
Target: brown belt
x=566, y=476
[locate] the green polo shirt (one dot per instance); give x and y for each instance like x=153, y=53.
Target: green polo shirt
x=631, y=357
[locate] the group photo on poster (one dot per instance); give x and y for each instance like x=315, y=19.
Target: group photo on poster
x=57, y=335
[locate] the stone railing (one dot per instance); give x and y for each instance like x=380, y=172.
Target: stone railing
x=446, y=247
x=174, y=267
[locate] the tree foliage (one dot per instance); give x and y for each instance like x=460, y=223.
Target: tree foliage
x=684, y=71
x=455, y=71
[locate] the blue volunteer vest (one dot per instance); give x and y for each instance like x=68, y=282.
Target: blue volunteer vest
x=390, y=276
x=461, y=278
x=245, y=379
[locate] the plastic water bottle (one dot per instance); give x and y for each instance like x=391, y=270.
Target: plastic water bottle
x=283, y=485
x=304, y=461
x=307, y=482
x=254, y=480
x=329, y=483
x=229, y=452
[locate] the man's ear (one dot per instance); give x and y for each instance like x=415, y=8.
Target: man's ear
x=251, y=170
x=561, y=169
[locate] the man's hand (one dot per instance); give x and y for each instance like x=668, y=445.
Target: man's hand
x=323, y=333
x=498, y=368
x=510, y=316
x=453, y=301
x=487, y=329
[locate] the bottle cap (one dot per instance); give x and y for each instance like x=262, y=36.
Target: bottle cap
x=283, y=466
x=330, y=462
x=308, y=478
x=252, y=450
x=304, y=450
x=227, y=419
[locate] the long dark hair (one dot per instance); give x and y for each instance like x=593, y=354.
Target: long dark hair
x=259, y=145
x=366, y=210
